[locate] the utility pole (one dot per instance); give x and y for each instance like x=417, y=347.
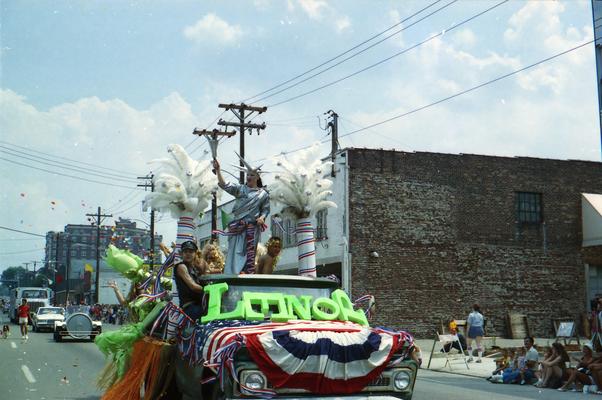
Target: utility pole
x=151, y=185
x=67, y=266
x=333, y=124
x=239, y=111
x=56, y=260
x=99, y=216
x=596, y=15
x=214, y=135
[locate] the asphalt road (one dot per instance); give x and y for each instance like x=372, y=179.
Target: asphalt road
x=41, y=369
x=442, y=385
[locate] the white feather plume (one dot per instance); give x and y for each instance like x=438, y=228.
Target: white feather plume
x=183, y=186
x=300, y=185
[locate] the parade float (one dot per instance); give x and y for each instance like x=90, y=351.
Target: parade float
x=261, y=336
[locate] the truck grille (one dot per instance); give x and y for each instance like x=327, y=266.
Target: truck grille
x=380, y=381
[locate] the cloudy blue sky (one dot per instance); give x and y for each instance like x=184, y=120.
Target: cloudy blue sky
x=112, y=83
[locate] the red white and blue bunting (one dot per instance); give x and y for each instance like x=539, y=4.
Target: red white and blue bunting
x=323, y=357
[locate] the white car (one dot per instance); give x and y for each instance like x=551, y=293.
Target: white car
x=45, y=318
x=77, y=325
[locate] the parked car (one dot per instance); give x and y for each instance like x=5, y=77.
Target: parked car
x=77, y=325
x=45, y=318
x=396, y=380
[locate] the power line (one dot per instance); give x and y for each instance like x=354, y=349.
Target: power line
x=358, y=53
x=469, y=89
x=293, y=119
x=340, y=55
x=122, y=201
x=517, y=71
x=24, y=232
x=15, y=239
x=388, y=58
x=21, y=252
x=58, y=164
x=208, y=126
x=62, y=158
x=67, y=175
x=375, y=132
x=126, y=209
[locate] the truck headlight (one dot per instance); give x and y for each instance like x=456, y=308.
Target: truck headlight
x=254, y=380
x=401, y=380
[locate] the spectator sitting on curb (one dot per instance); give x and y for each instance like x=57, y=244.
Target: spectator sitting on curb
x=581, y=375
x=553, y=369
x=524, y=371
x=503, y=362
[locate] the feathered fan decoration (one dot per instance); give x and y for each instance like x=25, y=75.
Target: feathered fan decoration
x=301, y=187
x=183, y=187
x=300, y=184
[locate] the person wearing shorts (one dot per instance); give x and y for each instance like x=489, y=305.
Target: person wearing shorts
x=23, y=314
x=474, y=325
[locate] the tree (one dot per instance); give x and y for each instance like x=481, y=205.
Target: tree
x=14, y=276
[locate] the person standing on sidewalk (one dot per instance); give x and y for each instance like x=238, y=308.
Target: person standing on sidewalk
x=23, y=313
x=474, y=325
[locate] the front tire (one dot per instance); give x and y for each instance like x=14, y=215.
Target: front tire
x=58, y=337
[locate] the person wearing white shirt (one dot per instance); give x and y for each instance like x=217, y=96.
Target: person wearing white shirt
x=474, y=325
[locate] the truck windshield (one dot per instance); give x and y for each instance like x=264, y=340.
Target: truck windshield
x=34, y=294
x=50, y=310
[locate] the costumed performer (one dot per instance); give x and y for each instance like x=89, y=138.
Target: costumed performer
x=212, y=259
x=251, y=208
x=267, y=262
x=186, y=276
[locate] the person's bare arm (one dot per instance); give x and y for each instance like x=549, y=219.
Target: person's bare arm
x=552, y=361
x=118, y=293
x=220, y=178
x=261, y=265
x=166, y=250
x=185, y=276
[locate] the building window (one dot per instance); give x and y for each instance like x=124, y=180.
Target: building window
x=529, y=208
x=284, y=228
x=321, y=224
x=276, y=226
x=289, y=239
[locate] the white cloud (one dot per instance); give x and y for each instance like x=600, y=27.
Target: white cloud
x=261, y=4
x=541, y=16
x=343, y=24
x=544, y=76
x=211, y=29
x=394, y=16
x=314, y=8
x=465, y=37
x=492, y=59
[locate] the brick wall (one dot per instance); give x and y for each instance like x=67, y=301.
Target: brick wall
x=446, y=232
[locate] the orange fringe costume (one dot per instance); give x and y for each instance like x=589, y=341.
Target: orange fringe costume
x=151, y=371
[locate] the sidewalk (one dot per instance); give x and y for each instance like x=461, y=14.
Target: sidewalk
x=480, y=370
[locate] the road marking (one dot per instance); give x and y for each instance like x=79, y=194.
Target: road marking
x=28, y=374
x=13, y=345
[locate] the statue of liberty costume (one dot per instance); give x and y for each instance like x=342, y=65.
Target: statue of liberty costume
x=243, y=231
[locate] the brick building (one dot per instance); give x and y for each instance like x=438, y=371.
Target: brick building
x=451, y=230
x=429, y=234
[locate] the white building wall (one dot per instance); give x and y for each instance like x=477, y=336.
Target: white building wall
x=328, y=251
